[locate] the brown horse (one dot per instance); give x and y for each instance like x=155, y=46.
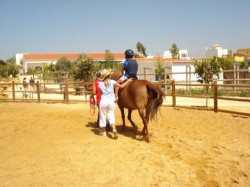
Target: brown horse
x=143, y=96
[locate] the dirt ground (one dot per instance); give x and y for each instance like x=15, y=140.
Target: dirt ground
x=58, y=145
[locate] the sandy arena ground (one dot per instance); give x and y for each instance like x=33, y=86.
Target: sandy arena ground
x=58, y=145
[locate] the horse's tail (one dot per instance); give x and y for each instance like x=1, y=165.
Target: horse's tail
x=155, y=100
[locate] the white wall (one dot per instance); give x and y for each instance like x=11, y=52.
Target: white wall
x=167, y=54
x=27, y=63
x=181, y=67
x=216, y=51
x=19, y=57
x=183, y=54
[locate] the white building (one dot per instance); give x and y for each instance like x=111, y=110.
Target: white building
x=183, y=54
x=216, y=51
x=175, y=69
x=19, y=58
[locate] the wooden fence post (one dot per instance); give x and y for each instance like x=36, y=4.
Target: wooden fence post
x=144, y=73
x=173, y=93
x=38, y=90
x=66, y=92
x=188, y=78
x=13, y=91
x=215, y=96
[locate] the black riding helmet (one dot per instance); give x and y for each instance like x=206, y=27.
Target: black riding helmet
x=129, y=53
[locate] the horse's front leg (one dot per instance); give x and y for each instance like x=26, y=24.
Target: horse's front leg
x=130, y=119
x=123, y=117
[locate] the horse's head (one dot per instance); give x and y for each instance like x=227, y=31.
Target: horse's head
x=89, y=86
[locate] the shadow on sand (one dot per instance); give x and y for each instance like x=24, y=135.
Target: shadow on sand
x=128, y=132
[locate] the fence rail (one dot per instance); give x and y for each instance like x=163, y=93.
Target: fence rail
x=76, y=92
x=214, y=95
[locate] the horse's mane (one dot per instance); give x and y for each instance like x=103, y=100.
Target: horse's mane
x=89, y=85
x=115, y=76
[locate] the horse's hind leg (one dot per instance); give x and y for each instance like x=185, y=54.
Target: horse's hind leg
x=144, y=120
x=130, y=119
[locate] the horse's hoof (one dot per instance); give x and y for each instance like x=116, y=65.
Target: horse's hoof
x=146, y=138
x=143, y=138
x=139, y=137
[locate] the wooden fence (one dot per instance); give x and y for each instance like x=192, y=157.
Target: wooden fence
x=214, y=95
x=76, y=92
x=47, y=92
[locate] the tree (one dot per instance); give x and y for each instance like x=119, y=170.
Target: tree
x=141, y=49
x=83, y=68
x=9, y=68
x=2, y=62
x=13, y=69
x=49, y=68
x=109, y=60
x=3, y=69
x=207, y=70
x=159, y=69
x=63, y=64
x=32, y=72
x=225, y=63
x=174, y=51
x=244, y=65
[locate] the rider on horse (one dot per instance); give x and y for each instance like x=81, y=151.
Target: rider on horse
x=129, y=69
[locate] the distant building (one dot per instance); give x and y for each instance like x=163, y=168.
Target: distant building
x=216, y=51
x=236, y=57
x=147, y=65
x=244, y=53
x=175, y=69
x=183, y=54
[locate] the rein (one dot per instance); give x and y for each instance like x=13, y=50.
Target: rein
x=92, y=105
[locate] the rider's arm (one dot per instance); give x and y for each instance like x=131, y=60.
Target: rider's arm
x=122, y=70
x=124, y=64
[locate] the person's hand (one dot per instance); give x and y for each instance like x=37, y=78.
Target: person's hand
x=130, y=79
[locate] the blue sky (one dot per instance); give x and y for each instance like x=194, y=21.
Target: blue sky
x=81, y=26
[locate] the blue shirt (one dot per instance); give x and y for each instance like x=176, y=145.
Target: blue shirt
x=131, y=67
x=125, y=64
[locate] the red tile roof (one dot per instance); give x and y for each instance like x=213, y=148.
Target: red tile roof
x=69, y=56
